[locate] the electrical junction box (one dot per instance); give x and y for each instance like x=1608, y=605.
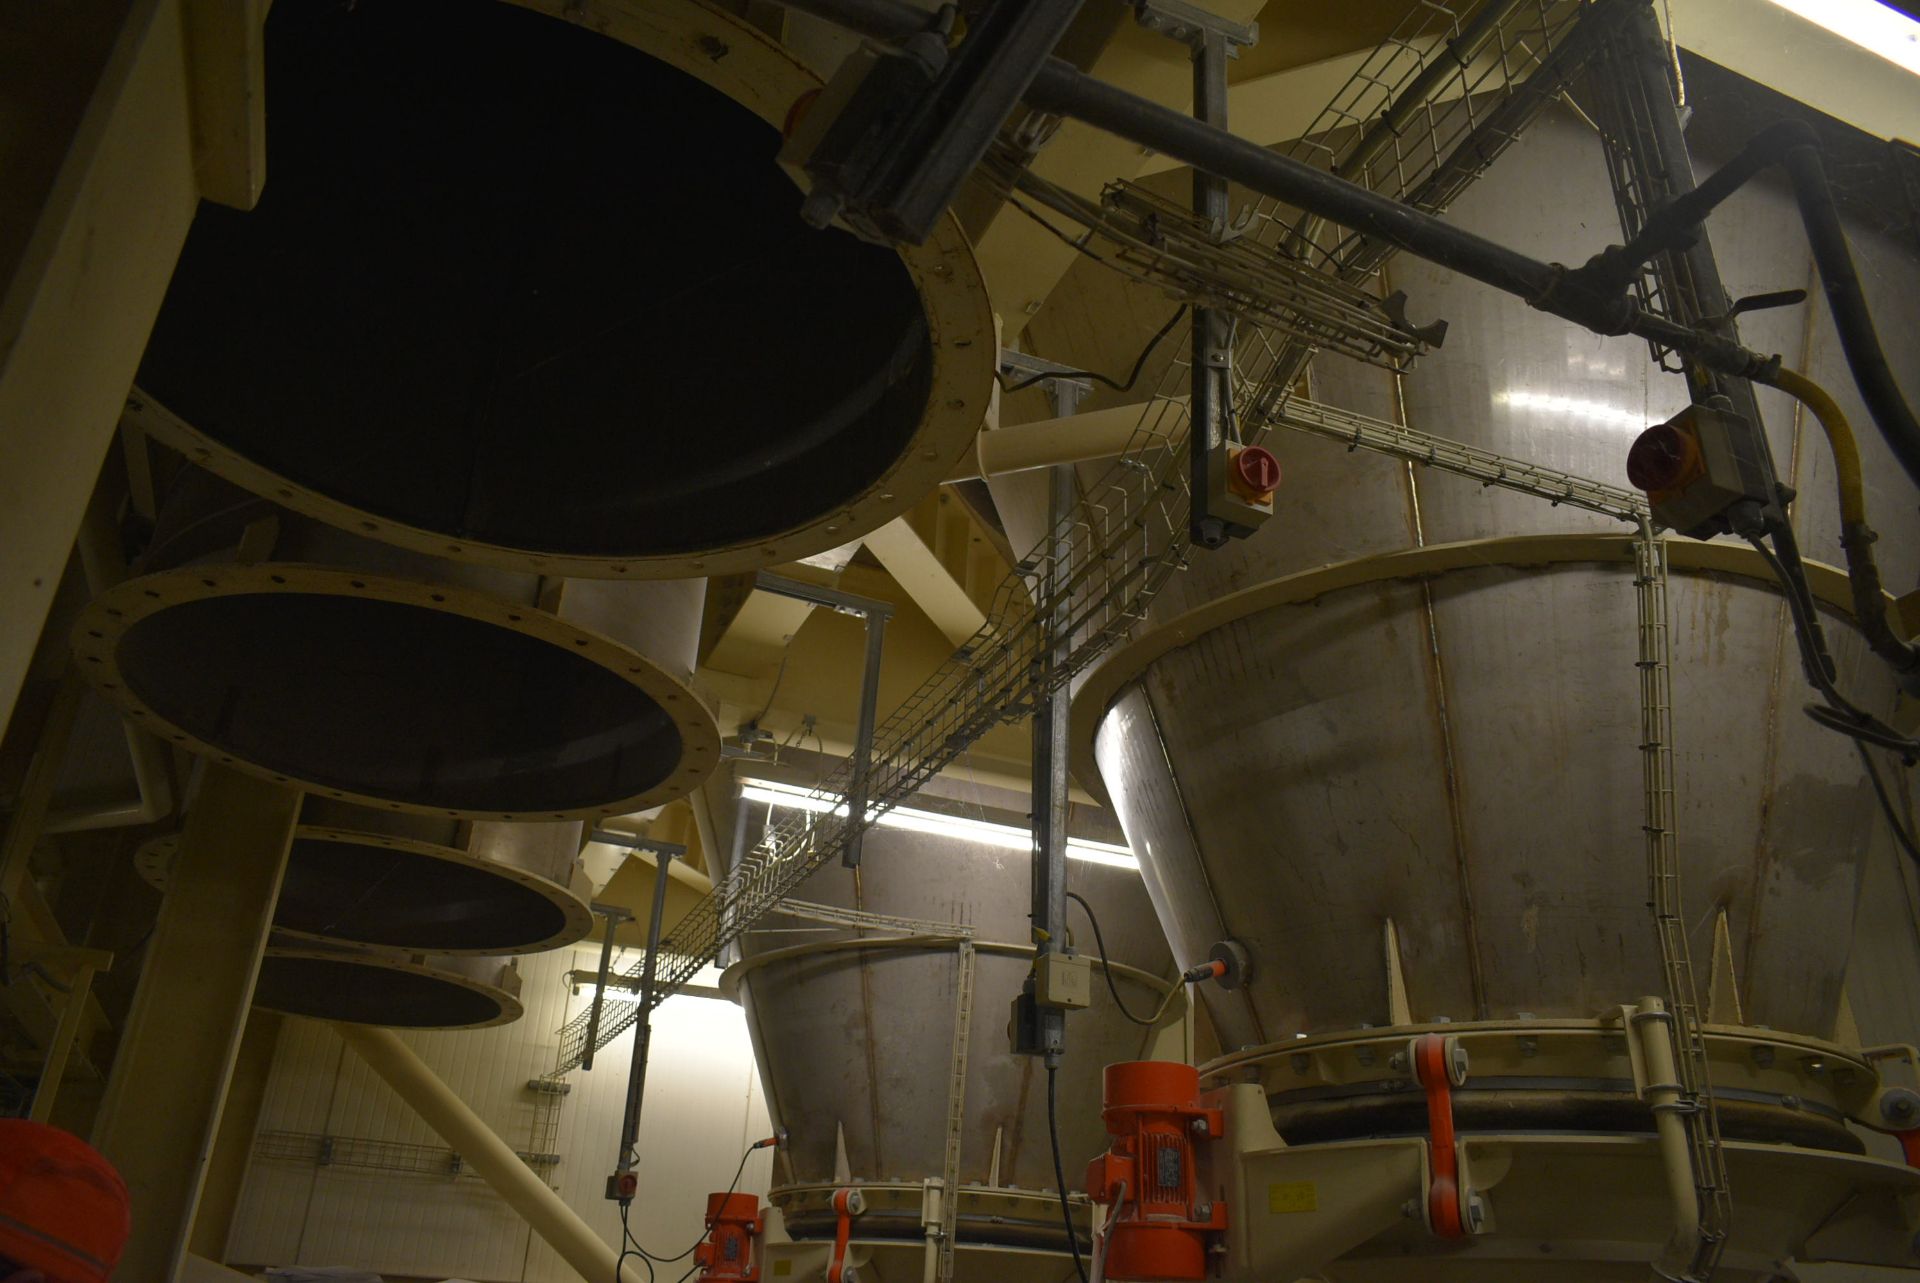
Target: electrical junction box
x=1063, y=980
x=1698, y=465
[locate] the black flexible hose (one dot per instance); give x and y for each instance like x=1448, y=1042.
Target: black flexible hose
x=1848, y=301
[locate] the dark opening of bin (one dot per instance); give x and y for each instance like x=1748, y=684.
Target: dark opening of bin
x=515, y=282
x=384, y=896
x=368, y=993
x=398, y=702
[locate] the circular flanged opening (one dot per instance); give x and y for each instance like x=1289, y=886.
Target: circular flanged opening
x=552, y=299
x=412, y=895
x=396, y=694
x=365, y=888
x=373, y=990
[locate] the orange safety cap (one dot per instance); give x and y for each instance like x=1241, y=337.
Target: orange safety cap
x=63, y=1209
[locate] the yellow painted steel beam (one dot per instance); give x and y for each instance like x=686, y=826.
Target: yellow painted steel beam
x=177, y=110
x=168, y=1087
x=936, y=587
x=73, y=1011
x=36, y=790
x=226, y=65
x=233, y=1147
x=754, y=639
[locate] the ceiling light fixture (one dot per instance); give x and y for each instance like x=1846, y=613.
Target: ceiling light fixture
x=1879, y=29
x=1004, y=836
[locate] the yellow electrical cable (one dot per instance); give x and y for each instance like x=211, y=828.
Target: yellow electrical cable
x=1846, y=452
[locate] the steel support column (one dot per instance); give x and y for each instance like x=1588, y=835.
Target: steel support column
x=161, y=1114
x=1052, y=722
x=1212, y=394
x=643, y=1031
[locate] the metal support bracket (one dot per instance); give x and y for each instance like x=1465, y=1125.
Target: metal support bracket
x=1193, y=26
x=1063, y=383
x=614, y=915
x=875, y=613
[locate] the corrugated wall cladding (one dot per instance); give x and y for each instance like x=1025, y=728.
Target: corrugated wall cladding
x=703, y=1107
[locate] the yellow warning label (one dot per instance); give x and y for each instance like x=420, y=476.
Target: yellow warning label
x=783, y=1267
x=1291, y=1196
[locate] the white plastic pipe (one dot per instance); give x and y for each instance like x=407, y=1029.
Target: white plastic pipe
x=558, y=1225
x=1095, y=434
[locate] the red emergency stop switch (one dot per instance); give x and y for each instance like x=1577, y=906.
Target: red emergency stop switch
x=1253, y=474
x=1664, y=458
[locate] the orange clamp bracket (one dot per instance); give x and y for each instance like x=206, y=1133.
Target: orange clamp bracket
x=1433, y=1072
x=1910, y=1146
x=847, y=1204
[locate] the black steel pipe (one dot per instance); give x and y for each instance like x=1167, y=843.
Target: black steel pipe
x=1064, y=90
x=1061, y=89
x=1593, y=297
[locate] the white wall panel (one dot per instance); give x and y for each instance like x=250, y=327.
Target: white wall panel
x=703, y=1107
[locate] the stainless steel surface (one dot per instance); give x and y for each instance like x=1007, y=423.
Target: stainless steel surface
x=483, y=313
x=859, y=1043
x=357, y=875
x=1458, y=755
x=374, y=987
x=370, y=673
x=1128, y=533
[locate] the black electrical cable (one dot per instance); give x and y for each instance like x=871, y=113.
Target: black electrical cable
x=1106, y=966
x=629, y=1246
x=1842, y=714
x=1847, y=301
x=1133, y=376
x=1886, y=804
x=732, y=1185
x=1060, y=1172
x=1839, y=714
